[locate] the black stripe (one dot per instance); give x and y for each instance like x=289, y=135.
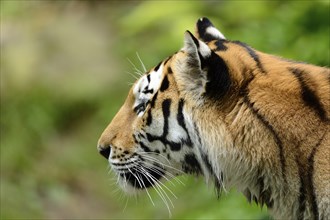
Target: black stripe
x=157, y=67
x=261, y=185
x=198, y=136
x=149, y=117
x=166, y=113
x=174, y=146
x=253, y=55
x=208, y=37
x=146, y=91
x=141, y=135
x=308, y=96
x=167, y=60
x=247, y=194
x=306, y=189
x=169, y=70
x=265, y=192
x=144, y=147
x=310, y=173
x=148, y=78
x=194, y=39
x=153, y=100
x=217, y=181
x=139, y=108
x=248, y=78
x=152, y=105
x=135, y=139
x=272, y=131
x=207, y=163
x=191, y=164
x=220, y=44
x=218, y=77
x=182, y=123
x=123, y=164
x=165, y=84
x=302, y=191
x=202, y=25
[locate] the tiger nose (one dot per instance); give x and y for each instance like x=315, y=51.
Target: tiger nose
x=104, y=151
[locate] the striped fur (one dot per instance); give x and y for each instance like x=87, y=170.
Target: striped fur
x=239, y=117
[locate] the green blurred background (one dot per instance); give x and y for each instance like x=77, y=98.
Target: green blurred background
x=64, y=74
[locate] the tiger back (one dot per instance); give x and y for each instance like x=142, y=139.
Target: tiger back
x=234, y=115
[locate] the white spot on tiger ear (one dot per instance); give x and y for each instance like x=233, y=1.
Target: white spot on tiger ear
x=204, y=49
x=215, y=33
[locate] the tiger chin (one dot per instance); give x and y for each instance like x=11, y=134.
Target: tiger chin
x=239, y=117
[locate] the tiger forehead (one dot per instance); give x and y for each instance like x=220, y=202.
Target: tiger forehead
x=149, y=83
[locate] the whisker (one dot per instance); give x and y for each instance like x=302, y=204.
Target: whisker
x=130, y=83
x=144, y=186
x=138, y=72
x=159, y=193
x=109, y=170
x=161, y=190
x=131, y=63
x=116, y=192
x=157, y=170
x=145, y=155
x=157, y=189
x=152, y=168
x=164, y=165
x=125, y=181
x=138, y=168
x=167, y=173
x=157, y=154
x=135, y=68
x=135, y=77
x=142, y=64
x=126, y=203
x=147, y=191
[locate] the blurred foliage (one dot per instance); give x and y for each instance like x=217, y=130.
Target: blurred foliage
x=63, y=77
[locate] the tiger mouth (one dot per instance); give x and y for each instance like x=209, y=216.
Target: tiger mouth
x=142, y=177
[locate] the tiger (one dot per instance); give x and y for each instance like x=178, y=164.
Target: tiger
x=236, y=116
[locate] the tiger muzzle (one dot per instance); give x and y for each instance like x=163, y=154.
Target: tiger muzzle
x=104, y=151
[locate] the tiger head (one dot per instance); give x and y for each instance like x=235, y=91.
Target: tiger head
x=158, y=132
x=153, y=135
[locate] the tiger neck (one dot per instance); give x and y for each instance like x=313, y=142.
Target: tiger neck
x=227, y=165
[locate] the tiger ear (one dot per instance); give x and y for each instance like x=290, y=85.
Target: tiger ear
x=200, y=72
x=206, y=31
x=196, y=50
x=192, y=77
